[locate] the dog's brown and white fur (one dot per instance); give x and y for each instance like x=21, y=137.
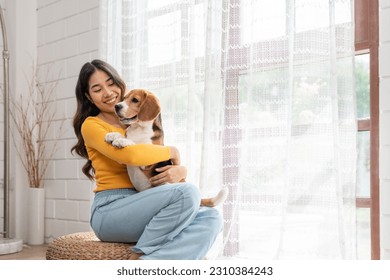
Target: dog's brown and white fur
x=140, y=113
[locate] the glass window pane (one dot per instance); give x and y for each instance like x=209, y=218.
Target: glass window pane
x=363, y=165
x=363, y=233
x=155, y=4
x=362, y=80
x=258, y=16
x=314, y=14
x=197, y=28
x=164, y=39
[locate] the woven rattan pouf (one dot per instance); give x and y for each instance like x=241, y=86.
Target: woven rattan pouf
x=86, y=246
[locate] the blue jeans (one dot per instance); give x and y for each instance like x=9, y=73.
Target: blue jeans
x=166, y=222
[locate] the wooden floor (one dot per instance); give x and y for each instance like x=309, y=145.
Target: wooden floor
x=29, y=252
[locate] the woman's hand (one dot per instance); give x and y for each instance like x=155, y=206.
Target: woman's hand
x=169, y=174
x=175, y=155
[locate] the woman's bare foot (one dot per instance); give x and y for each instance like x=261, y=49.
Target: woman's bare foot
x=135, y=256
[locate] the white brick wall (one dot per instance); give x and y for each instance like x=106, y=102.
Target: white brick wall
x=384, y=101
x=68, y=36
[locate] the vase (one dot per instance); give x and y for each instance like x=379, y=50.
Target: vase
x=36, y=216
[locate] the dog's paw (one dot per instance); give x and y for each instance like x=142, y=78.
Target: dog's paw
x=112, y=136
x=122, y=142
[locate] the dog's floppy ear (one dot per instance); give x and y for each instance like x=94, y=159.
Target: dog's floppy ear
x=150, y=108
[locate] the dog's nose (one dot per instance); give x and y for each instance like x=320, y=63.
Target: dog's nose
x=118, y=107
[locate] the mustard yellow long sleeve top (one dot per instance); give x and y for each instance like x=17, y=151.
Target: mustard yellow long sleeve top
x=110, y=162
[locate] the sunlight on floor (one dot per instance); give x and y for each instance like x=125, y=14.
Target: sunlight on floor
x=36, y=252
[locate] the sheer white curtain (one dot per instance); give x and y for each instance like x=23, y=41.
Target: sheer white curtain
x=258, y=95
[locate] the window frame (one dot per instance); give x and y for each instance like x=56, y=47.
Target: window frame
x=367, y=41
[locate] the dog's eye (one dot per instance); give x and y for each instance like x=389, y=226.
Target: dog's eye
x=134, y=100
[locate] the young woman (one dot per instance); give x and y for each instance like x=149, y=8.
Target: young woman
x=166, y=221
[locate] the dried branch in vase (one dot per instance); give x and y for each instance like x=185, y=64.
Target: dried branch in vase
x=34, y=119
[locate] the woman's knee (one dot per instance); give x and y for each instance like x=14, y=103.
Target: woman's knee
x=191, y=194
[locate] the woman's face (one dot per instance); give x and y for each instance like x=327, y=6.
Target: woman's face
x=103, y=92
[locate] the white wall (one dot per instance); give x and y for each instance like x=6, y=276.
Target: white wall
x=384, y=102
x=67, y=35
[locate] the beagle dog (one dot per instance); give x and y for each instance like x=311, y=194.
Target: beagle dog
x=140, y=113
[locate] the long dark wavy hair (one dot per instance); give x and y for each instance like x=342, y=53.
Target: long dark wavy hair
x=85, y=108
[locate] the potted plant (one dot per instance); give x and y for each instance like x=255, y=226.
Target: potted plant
x=34, y=118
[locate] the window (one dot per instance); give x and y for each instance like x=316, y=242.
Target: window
x=367, y=90
x=363, y=193
x=252, y=107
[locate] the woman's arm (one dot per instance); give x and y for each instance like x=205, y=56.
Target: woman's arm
x=138, y=155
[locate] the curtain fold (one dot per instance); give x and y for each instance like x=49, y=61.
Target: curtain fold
x=258, y=95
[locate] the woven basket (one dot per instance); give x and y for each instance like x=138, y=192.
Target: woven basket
x=86, y=246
